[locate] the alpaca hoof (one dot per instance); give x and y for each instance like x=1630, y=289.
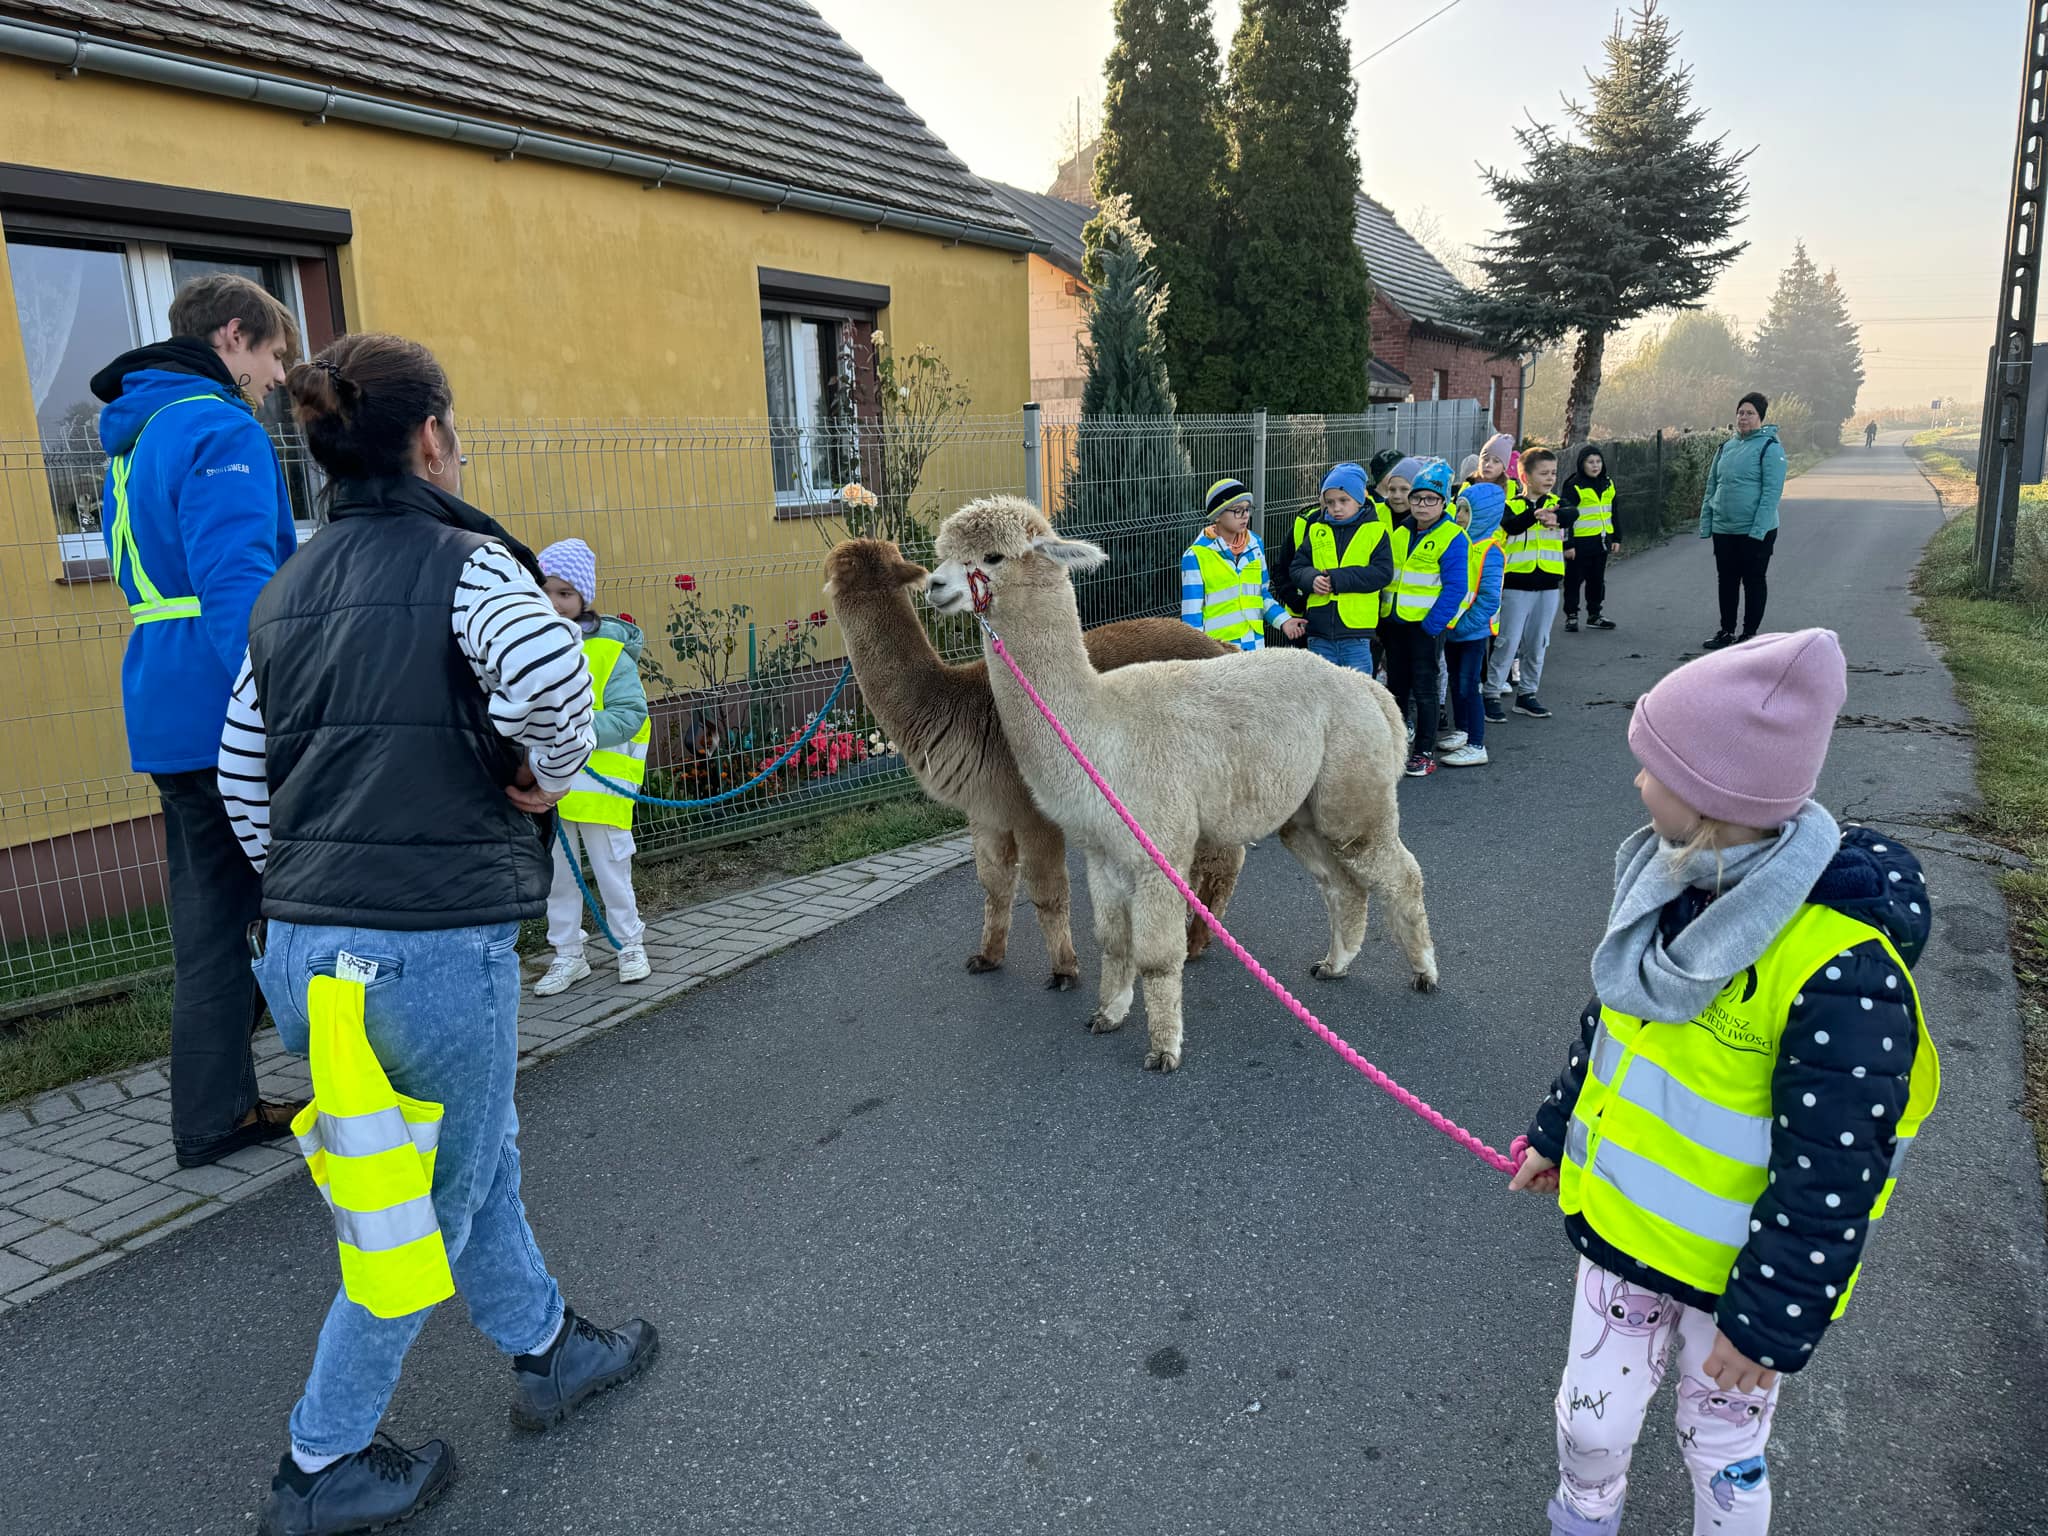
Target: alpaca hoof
x=981, y=965
x=1322, y=971
x=1425, y=983
x=1162, y=1061
x=1102, y=1024
x=1059, y=981
x=1198, y=944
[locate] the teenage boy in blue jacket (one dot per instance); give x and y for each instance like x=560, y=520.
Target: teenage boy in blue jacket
x=196, y=519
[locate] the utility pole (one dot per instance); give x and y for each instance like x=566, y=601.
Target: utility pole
x=2012, y=352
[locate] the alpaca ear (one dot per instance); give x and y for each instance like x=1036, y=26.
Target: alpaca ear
x=909, y=573
x=1074, y=554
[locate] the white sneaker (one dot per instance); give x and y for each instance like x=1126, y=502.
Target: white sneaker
x=1466, y=756
x=562, y=975
x=1450, y=741
x=633, y=964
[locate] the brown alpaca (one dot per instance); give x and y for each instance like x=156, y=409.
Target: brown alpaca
x=943, y=719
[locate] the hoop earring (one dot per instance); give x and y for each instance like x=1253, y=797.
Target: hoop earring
x=435, y=466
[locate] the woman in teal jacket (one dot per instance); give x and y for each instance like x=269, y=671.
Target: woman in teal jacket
x=1740, y=513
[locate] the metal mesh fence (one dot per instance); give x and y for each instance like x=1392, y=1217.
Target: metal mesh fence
x=695, y=543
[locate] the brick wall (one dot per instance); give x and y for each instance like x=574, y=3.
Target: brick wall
x=1058, y=325
x=1470, y=372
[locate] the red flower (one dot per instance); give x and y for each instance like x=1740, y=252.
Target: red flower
x=626, y=618
x=818, y=618
x=791, y=626
x=686, y=582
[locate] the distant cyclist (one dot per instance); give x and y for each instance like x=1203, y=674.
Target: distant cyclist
x=1870, y=434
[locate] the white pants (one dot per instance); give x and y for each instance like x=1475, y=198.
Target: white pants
x=609, y=852
x=1526, y=619
x=1624, y=1339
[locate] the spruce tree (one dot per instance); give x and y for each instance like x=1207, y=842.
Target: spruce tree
x=1129, y=484
x=1164, y=148
x=1807, y=346
x=1298, y=280
x=1631, y=218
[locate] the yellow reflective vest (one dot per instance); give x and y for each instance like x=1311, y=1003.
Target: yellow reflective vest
x=1535, y=548
x=370, y=1150
x=1669, y=1145
x=1233, y=599
x=1418, y=579
x=151, y=606
x=1358, y=610
x=1596, y=511
x=624, y=764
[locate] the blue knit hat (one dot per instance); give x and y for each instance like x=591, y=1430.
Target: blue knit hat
x=1434, y=476
x=576, y=563
x=1409, y=468
x=1348, y=478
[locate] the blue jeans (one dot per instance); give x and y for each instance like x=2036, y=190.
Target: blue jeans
x=1467, y=659
x=1355, y=654
x=443, y=1017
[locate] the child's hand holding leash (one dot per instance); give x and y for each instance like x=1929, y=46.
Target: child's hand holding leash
x=1537, y=1172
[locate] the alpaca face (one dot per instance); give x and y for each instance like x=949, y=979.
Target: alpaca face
x=868, y=568
x=1006, y=540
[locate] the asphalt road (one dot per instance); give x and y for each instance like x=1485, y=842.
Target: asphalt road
x=930, y=1259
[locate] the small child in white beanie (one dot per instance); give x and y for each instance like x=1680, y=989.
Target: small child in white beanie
x=597, y=821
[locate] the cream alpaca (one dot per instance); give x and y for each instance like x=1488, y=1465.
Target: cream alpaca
x=1322, y=770
x=943, y=719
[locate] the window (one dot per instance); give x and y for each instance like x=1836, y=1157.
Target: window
x=82, y=300
x=1439, y=383
x=821, y=385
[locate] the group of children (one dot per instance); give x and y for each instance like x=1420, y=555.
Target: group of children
x=1446, y=590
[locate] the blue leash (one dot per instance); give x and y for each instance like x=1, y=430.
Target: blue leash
x=796, y=746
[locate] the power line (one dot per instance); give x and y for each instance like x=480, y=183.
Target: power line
x=1383, y=47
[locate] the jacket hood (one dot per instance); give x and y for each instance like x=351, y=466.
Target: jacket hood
x=1767, y=433
x=181, y=354
x=1598, y=483
x=1489, y=504
x=1876, y=879
x=625, y=631
x=143, y=391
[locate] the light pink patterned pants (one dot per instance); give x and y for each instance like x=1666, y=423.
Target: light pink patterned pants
x=1624, y=1340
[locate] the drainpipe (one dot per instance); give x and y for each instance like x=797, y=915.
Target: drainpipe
x=74, y=52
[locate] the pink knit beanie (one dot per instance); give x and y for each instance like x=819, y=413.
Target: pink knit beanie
x=1740, y=734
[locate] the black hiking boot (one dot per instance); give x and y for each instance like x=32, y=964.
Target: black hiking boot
x=583, y=1361
x=1721, y=641
x=381, y=1485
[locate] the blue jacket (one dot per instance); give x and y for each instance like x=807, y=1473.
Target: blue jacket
x=1829, y=1154
x=212, y=519
x=1744, y=485
x=1488, y=504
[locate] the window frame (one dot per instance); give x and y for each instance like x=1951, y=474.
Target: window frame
x=148, y=252
x=793, y=299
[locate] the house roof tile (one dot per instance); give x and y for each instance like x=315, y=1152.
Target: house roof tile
x=761, y=88
x=1403, y=271
x=1050, y=218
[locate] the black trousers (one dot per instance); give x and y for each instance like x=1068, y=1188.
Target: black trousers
x=1413, y=659
x=215, y=895
x=1587, y=568
x=1740, y=562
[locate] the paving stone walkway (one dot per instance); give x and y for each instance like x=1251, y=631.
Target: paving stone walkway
x=87, y=1173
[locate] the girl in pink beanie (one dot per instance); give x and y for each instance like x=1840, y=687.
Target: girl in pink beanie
x=1740, y=1092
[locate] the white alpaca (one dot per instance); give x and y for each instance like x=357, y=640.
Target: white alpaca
x=1173, y=739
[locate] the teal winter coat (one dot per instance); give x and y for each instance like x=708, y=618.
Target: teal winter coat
x=625, y=697
x=1744, y=484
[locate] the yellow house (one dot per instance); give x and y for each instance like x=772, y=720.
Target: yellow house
x=688, y=211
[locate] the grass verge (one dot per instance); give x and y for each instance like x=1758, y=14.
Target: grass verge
x=1951, y=478
x=1997, y=650
x=38, y=1054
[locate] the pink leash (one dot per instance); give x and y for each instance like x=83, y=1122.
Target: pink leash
x=1327, y=1035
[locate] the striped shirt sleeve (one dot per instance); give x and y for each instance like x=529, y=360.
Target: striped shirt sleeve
x=1192, y=591
x=529, y=659
x=243, y=785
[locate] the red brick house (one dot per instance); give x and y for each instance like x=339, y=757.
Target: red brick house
x=1416, y=353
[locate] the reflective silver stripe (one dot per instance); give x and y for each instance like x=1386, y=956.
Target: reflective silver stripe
x=1905, y=1145
x=393, y=1227
x=1606, y=1054
x=1661, y=1192
x=1745, y=1138
x=367, y=1135
x=1575, y=1141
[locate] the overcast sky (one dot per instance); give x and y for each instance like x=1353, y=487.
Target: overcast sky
x=1883, y=135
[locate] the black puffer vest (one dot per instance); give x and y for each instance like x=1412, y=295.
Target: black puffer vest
x=387, y=778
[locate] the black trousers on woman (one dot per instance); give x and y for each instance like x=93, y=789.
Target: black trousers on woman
x=1741, y=561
